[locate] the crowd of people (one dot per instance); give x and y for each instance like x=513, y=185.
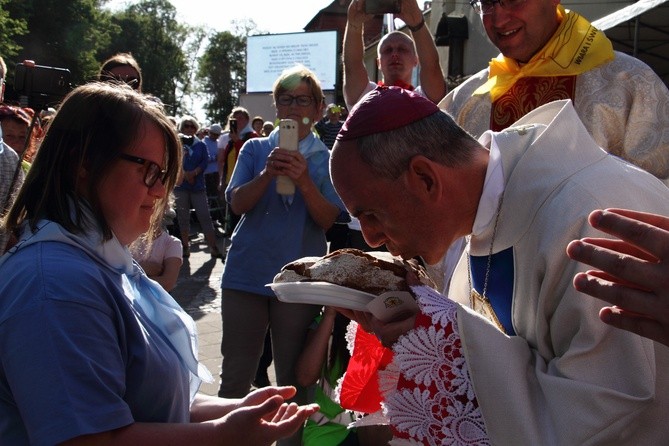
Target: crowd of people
x=520, y=205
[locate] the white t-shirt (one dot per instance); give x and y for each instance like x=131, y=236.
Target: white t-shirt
x=163, y=247
x=223, y=140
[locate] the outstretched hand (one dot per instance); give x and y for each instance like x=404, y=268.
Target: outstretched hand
x=264, y=417
x=632, y=272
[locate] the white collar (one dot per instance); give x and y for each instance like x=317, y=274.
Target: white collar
x=493, y=186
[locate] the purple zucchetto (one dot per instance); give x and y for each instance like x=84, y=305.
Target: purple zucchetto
x=384, y=109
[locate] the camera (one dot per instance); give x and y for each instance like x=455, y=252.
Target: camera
x=186, y=141
x=233, y=125
x=383, y=6
x=41, y=85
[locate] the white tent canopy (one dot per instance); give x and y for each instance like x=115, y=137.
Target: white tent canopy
x=642, y=30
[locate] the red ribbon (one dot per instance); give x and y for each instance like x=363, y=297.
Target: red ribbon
x=360, y=388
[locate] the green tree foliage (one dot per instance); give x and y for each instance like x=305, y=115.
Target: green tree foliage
x=149, y=30
x=181, y=64
x=189, y=92
x=222, y=74
x=10, y=29
x=61, y=33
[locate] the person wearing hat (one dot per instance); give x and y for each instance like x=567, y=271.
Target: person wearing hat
x=211, y=140
x=211, y=178
x=256, y=124
x=329, y=126
x=398, y=54
x=514, y=352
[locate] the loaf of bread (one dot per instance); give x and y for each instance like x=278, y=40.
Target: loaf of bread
x=372, y=272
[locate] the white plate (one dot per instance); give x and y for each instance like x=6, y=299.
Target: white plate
x=322, y=293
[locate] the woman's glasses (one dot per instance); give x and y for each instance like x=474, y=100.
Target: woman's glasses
x=287, y=99
x=153, y=171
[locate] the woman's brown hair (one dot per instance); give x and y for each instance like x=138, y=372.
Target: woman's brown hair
x=94, y=124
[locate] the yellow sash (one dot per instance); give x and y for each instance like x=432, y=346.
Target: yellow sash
x=576, y=47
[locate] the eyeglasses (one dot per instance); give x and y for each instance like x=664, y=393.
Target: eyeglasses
x=153, y=171
x=287, y=99
x=484, y=7
x=188, y=125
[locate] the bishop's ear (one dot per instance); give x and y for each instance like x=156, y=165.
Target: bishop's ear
x=423, y=175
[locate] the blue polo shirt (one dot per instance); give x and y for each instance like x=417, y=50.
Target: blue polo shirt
x=274, y=232
x=75, y=357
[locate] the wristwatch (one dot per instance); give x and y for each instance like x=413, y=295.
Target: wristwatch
x=417, y=27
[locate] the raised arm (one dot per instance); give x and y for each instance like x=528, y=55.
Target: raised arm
x=355, y=74
x=431, y=76
x=246, y=196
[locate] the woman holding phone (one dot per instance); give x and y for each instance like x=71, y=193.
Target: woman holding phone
x=274, y=230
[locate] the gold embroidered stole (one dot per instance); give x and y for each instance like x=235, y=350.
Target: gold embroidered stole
x=527, y=94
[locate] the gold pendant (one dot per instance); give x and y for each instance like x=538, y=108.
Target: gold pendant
x=482, y=306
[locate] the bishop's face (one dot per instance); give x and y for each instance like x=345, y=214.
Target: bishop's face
x=392, y=212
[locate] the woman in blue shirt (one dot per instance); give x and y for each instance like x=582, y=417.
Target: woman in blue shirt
x=274, y=230
x=91, y=350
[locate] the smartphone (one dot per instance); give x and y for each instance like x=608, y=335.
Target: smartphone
x=41, y=85
x=383, y=6
x=288, y=140
x=233, y=125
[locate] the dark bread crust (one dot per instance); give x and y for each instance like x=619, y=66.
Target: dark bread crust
x=355, y=269
x=397, y=269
